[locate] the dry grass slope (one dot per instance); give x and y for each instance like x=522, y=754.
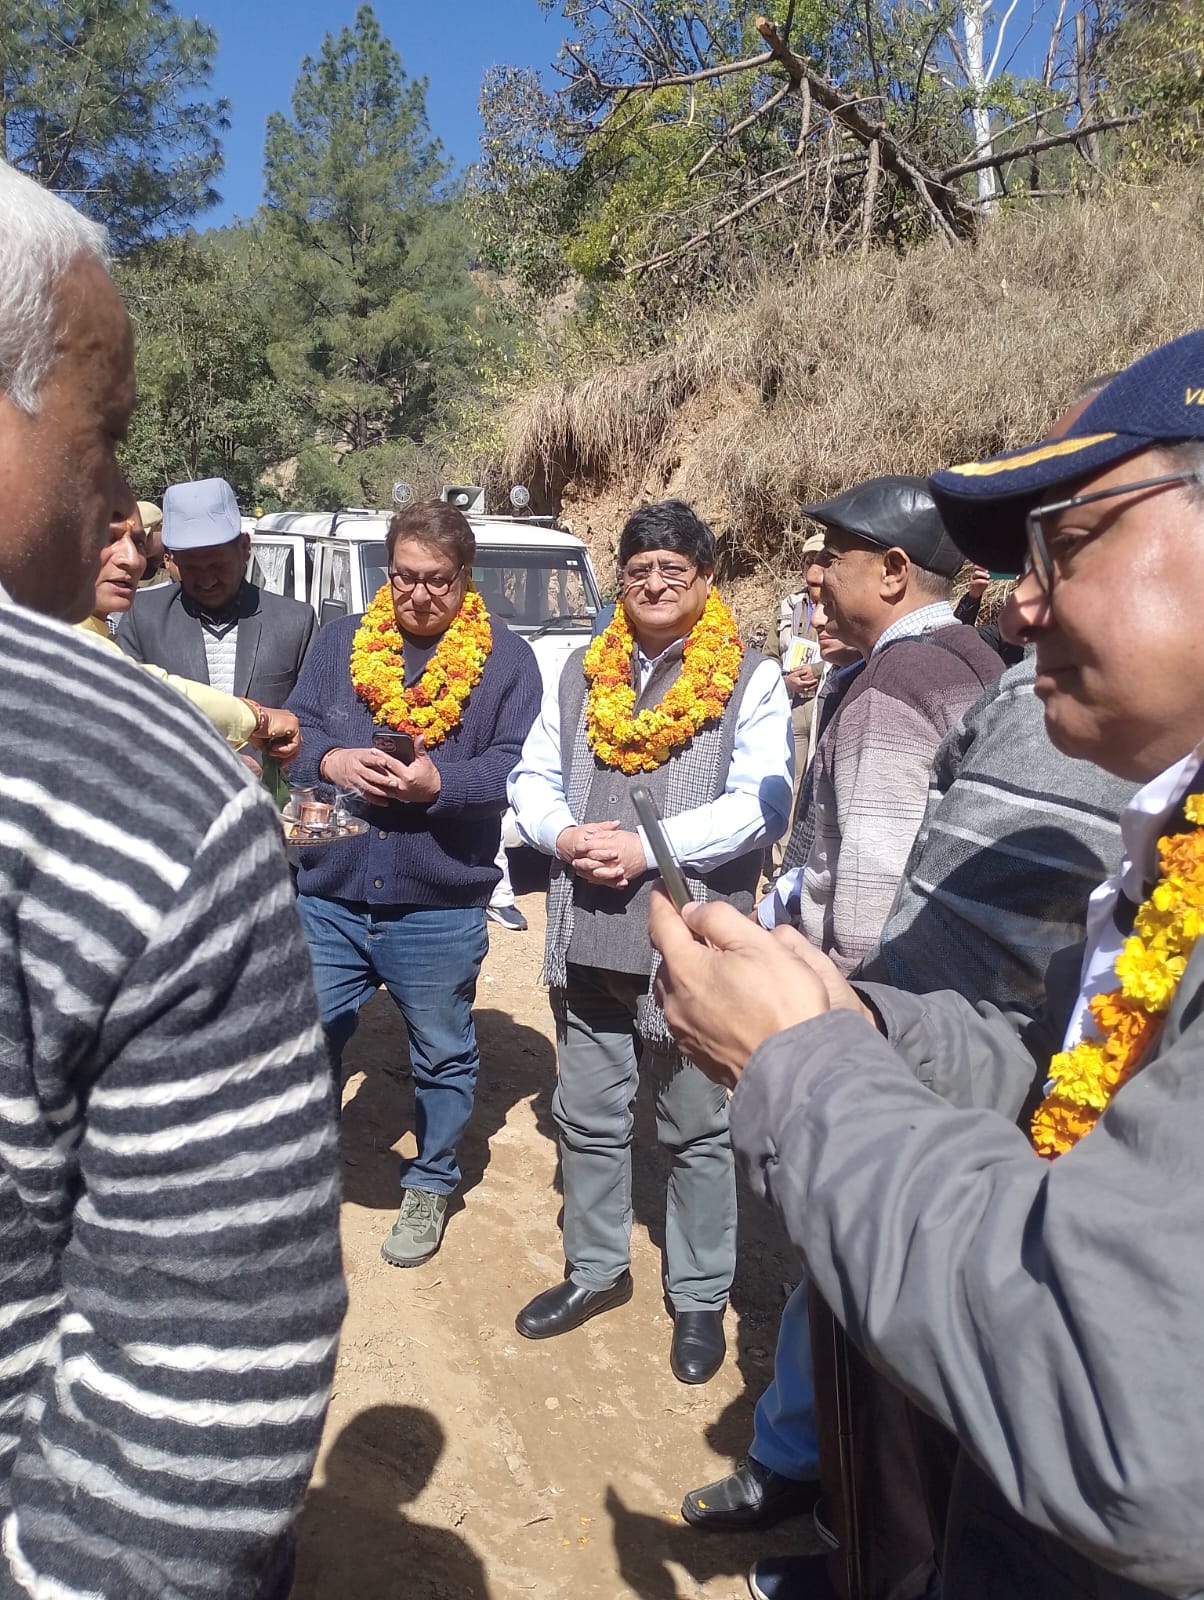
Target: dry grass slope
x=889, y=364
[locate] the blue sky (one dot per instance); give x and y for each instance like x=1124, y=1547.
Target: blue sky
x=262, y=43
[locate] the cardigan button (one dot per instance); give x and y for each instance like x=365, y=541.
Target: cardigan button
x=378, y=883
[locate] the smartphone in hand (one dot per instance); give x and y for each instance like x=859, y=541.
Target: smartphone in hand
x=667, y=863
x=398, y=745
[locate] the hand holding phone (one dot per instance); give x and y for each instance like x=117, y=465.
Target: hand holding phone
x=398, y=745
x=666, y=862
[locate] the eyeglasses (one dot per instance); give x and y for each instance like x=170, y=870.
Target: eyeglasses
x=1046, y=550
x=673, y=574
x=435, y=584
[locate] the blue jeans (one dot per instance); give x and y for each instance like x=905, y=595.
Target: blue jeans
x=784, y=1436
x=428, y=959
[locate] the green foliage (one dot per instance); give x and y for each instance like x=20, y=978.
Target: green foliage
x=654, y=193
x=640, y=165
x=525, y=192
x=209, y=404
x=367, y=263
x=1154, y=62
x=105, y=102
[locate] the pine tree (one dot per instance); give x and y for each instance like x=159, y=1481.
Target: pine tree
x=104, y=101
x=374, y=299
x=208, y=402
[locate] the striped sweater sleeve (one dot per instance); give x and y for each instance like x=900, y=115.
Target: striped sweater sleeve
x=171, y=1287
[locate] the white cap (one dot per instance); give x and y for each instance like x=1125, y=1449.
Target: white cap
x=199, y=515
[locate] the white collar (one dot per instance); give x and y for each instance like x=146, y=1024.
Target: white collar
x=1142, y=824
x=914, y=623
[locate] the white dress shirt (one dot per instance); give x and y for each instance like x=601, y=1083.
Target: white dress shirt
x=1143, y=822
x=753, y=810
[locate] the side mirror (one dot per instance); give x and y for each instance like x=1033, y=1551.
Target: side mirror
x=331, y=611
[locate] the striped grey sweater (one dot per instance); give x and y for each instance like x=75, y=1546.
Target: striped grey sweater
x=170, y=1282
x=1015, y=838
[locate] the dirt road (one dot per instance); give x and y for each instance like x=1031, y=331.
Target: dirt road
x=462, y=1462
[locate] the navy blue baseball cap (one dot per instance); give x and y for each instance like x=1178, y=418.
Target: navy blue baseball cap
x=1158, y=400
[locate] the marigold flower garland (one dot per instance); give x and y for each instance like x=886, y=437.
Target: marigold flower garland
x=710, y=665
x=1165, y=932
x=435, y=704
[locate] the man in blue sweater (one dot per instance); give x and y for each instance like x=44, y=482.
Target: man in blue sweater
x=404, y=903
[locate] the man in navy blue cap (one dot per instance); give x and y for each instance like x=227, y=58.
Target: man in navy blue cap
x=213, y=626
x=1037, y=1288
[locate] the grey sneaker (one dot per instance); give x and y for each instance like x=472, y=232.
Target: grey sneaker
x=418, y=1231
x=507, y=917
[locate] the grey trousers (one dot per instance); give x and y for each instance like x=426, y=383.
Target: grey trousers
x=599, y=1058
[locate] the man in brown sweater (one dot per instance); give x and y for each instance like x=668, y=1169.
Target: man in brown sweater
x=888, y=570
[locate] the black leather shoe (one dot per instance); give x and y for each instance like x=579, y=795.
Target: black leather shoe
x=567, y=1306
x=698, y=1346
x=751, y=1497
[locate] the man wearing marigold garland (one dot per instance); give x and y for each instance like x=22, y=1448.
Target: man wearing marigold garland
x=666, y=697
x=1037, y=1290
x=404, y=904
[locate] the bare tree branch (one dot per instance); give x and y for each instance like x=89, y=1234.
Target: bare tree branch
x=804, y=119
x=674, y=80
x=1069, y=136
x=661, y=48
x=1001, y=30
x=1047, y=75
x=937, y=200
x=745, y=122
x=726, y=221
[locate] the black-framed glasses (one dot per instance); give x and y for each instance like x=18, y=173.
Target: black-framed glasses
x=435, y=584
x=674, y=574
x=1045, y=549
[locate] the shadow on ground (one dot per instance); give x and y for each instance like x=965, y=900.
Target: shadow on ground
x=355, y=1537
x=647, y=1548
x=517, y=1063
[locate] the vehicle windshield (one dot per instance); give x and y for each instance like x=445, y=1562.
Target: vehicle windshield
x=526, y=589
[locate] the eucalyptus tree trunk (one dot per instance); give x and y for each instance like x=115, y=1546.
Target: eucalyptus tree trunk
x=977, y=72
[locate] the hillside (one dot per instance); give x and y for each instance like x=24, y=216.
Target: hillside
x=894, y=363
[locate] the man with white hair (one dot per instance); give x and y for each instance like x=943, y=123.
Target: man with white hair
x=170, y=1285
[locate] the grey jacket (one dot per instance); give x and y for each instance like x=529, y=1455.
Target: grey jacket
x=274, y=633
x=1015, y=838
x=1050, y=1314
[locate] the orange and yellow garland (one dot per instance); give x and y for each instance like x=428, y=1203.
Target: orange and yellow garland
x=1165, y=932
x=435, y=704
x=711, y=660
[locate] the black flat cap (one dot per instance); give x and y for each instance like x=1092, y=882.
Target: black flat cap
x=890, y=512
